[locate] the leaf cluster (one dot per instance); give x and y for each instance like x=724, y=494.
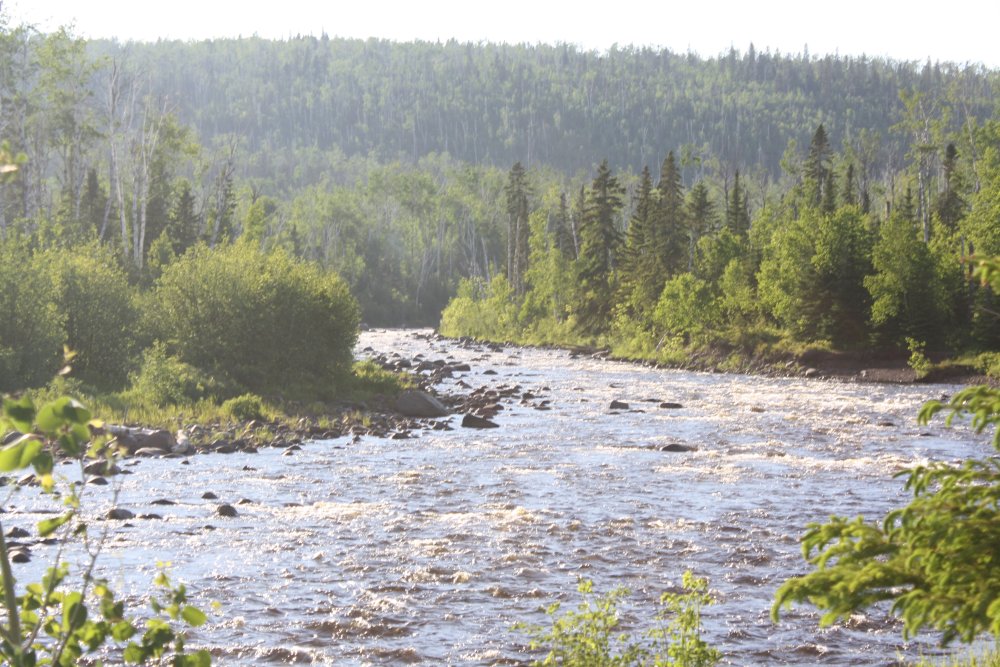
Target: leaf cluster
x=589, y=636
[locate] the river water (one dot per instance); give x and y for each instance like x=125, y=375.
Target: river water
x=427, y=550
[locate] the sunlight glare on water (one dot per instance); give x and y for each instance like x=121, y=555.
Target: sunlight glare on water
x=428, y=550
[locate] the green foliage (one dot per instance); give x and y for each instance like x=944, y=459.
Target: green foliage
x=904, y=301
x=918, y=360
x=686, y=309
x=935, y=559
x=68, y=616
x=163, y=379
x=101, y=319
x=482, y=311
x=370, y=379
x=588, y=635
x=245, y=407
x=31, y=327
x=264, y=322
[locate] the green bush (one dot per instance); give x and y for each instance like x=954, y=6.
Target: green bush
x=587, y=636
x=266, y=323
x=92, y=293
x=31, y=326
x=482, y=311
x=245, y=407
x=163, y=379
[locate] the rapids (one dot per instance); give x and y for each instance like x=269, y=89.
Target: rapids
x=428, y=550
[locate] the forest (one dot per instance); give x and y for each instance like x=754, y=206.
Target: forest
x=657, y=200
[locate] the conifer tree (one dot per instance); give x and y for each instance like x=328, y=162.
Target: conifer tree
x=670, y=235
x=599, y=242
x=949, y=205
x=701, y=219
x=517, y=192
x=639, y=258
x=184, y=227
x=563, y=229
x=817, y=165
x=737, y=212
x=848, y=196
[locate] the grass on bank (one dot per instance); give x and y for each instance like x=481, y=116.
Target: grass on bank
x=175, y=398
x=974, y=658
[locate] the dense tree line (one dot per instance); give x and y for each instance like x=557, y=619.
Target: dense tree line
x=541, y=105
x=828, y=261
x=387, y=163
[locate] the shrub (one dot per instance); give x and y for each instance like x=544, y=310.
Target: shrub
x=268, y=323
x=587, y=636
x=166, y=380
x=92, y=292
x=245, y=407
x=31, y=326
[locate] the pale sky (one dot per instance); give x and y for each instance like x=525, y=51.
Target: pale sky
x=959, y=30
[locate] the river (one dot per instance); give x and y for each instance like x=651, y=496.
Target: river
x=427, y=550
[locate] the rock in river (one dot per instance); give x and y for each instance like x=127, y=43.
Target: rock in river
x=472, y=421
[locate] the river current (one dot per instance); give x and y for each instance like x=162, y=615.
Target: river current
x=427, y=550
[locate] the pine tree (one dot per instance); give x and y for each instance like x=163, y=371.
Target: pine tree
x=599, y=243
x=829, y=194
x=848, y=195
x=184, y=227
x=639, y=258
x=92, y=203
x=670, y=231
x=563, y=229
x=517, y=192
x=737, y=212
x=816, y=166
x=701, y=218
x=949, y=205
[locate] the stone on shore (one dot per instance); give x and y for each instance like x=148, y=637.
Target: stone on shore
x=415, y=403
x=619, y=405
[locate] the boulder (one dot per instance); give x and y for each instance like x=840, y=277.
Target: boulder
x=101, y=468
x=619, y=405
x=227, y=511
x=415, y=403
x=120, y=514
x=675, y=447
x=159, y=439
x=148, y=452
x=667, y=405
x=472, y=421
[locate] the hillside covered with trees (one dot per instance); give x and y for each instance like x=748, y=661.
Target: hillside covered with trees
x=390, y=164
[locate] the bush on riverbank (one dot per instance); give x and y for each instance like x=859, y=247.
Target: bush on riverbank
x=266, y=323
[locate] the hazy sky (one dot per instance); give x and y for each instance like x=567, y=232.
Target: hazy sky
x=959, y=30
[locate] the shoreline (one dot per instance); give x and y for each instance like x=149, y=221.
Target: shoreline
x=867, y=366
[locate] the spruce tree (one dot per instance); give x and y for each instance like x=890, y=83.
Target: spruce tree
x=737, y=212
x=517, y=192
x=639, y=259
x=599, y=243
x=701, y=219
x=670, y=235
x=816, y=166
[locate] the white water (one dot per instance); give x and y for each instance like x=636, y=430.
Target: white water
x=427, y=550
